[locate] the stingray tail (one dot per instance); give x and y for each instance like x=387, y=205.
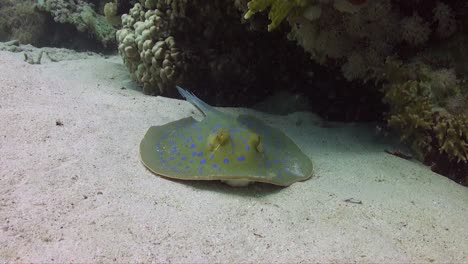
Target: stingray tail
x=191, y=98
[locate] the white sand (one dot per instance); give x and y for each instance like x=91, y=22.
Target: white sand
x=79, y=193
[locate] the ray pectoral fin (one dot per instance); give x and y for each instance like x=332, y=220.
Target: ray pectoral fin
x=156, y=148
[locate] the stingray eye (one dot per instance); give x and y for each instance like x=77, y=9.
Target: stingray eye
x=217, y=140
x=260, y=147
x=255, y=142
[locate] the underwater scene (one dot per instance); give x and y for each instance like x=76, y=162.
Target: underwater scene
x=234, y=131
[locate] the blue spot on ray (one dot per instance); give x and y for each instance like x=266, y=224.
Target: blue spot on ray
x=203, y=161
x=193, y=145
x=240, y=158
x=188, y=140
x=200, y=154
x=184, y=158
x=226, y=161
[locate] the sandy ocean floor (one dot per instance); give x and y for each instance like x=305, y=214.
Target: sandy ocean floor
x=79, y=193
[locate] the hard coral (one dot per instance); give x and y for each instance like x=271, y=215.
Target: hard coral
x=439, y=137
x=148, y=49
x=207, y=47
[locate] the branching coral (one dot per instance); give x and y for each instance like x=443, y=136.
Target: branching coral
x=417, y=96
x=411, y=108
x=452, y=136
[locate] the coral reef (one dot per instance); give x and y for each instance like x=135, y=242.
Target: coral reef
x=357, y=35
x=163, y=44
x=82, y=15
x=424, y=88
x=416, y=54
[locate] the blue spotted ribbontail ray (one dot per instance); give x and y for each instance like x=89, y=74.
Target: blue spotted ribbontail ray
x=236, y=150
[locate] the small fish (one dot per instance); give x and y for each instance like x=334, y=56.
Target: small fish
x=236, y=150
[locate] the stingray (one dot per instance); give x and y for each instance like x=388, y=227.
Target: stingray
x=234, y=149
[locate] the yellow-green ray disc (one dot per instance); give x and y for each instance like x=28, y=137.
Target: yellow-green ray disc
x=223, y=147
